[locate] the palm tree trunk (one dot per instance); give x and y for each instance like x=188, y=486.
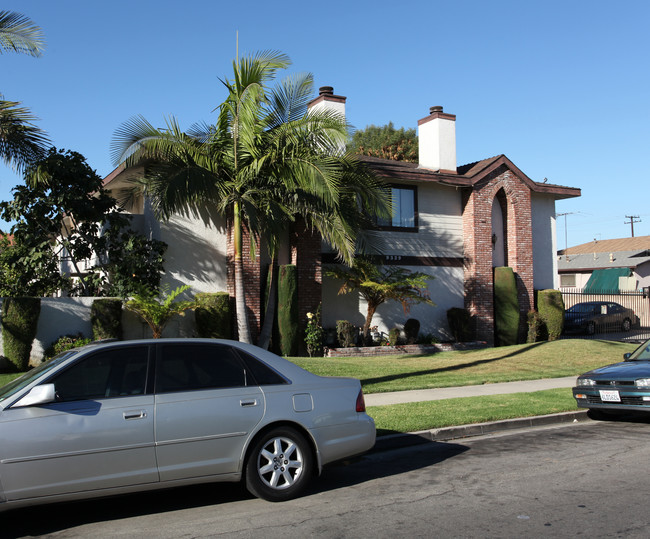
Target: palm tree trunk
x=366, y=327
x=243, y=328
x=269, y=311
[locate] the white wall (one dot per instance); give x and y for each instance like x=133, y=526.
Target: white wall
x=544, y=241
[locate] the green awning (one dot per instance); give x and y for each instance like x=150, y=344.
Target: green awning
x=605, y=281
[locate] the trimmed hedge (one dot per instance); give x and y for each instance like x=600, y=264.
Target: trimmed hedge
x=106, y=319
x=506, y=307
x=213, y=315
x=460, y=324
x=288, y=323
x=550, y=306
x=19, y=324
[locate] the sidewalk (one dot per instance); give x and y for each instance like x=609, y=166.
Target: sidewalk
x=394, y=441
x=419, y=395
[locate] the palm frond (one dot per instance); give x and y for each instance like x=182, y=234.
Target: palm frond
x=19, y=34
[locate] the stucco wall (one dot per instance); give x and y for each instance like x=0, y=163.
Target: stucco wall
x=544, y=241
x=196, y=252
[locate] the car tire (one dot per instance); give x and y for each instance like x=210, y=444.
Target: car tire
x=280, y=465
x=591, y=328
x=600, y=415
x=626, y=325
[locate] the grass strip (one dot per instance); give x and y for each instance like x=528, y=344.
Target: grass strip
x=416, y=416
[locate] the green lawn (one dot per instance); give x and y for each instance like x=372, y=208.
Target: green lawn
x=555, y=359
x=416, y=416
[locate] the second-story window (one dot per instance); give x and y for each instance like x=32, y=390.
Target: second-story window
x=404, y=200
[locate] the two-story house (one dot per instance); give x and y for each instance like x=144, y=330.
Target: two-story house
x=452, y=222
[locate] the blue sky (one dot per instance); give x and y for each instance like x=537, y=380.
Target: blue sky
x=560, y=87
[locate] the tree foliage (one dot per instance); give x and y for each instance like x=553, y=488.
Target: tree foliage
x=63, y=215
x=378, y=284
x=386, y=142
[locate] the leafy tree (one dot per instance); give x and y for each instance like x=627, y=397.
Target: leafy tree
x=386, y=142
x=158, y=311
x=21, y=142
x=265, y=160
x=378, y=284
x=62, y=212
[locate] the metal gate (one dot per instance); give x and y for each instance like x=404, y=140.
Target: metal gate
x=607, y=322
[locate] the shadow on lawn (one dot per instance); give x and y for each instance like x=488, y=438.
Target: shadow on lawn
x=450, y=368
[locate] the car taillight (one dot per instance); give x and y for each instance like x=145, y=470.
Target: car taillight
x=361, y=403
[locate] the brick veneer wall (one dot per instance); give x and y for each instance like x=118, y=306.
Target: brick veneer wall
x=477, y=232
x=306, y=255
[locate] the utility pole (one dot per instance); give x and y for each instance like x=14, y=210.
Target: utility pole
x=632, y=221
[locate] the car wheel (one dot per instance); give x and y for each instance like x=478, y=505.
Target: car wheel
x=591, y=328
x=626, y=325
x=601, y=415
x=279, y=465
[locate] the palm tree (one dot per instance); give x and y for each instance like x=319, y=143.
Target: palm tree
x=265, y=160
x=21, y=142
x=378, y=284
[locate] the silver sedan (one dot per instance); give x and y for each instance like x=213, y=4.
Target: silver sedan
x=125, y=416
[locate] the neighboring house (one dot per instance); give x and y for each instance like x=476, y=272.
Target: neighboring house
x=606, y=265
x=453, y=223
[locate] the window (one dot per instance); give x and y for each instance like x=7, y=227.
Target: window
x=404, y=200
x=118, y=372
x=188, y=367
x=568, y=280
x=263, y=374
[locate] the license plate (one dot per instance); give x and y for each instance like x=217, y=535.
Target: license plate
x=610, y=396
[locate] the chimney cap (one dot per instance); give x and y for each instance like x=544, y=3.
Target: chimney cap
x=326, y=90
x=437, y=108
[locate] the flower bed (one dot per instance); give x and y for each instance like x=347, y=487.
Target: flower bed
x=369, y=351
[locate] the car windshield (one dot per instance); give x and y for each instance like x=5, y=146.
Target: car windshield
x=16, y=385
x=642, y=353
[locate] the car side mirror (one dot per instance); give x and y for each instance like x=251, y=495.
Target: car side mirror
x=38, y=395
x=626, y=357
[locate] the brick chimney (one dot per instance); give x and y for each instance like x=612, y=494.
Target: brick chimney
x=437, y=141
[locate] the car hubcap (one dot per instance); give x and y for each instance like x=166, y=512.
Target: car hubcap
x=280, y=463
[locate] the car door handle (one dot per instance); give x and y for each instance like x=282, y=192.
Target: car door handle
x=248, y=403
x=138, y=414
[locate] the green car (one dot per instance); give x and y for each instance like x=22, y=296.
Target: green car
x=623, y=386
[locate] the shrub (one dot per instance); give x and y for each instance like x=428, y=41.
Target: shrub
x=106, y=319
x=394, y=336
x=19, y=323
x=314, y=334
x=411, y=330
x=427, y=338
x=551, y=310
x=213, y=315
x=534, y=326
x=346, y=333
x=288, y=322
x=66, y=342
x=460, y=324
x=506, y=307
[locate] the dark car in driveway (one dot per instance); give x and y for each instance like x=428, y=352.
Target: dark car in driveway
x=592, y=316
x=623, y=386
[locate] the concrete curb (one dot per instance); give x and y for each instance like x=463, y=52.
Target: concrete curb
x=397, y=441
